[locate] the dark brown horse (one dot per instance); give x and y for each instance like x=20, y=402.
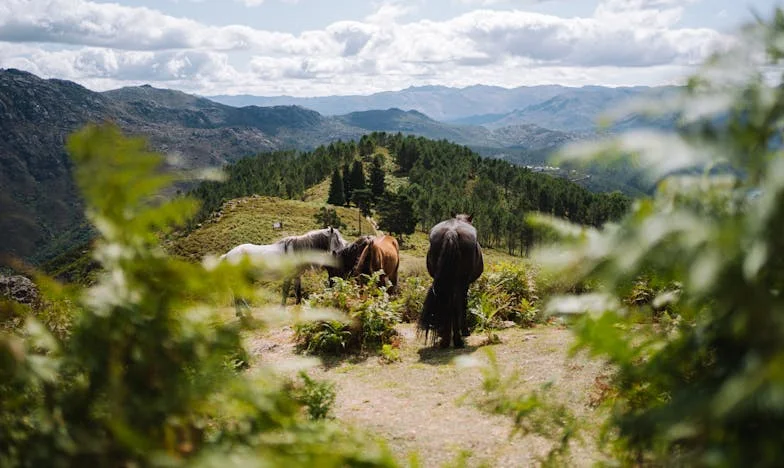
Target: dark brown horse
x=345, y=259
x=383, y=253
x=454, y=260
x=367, y=255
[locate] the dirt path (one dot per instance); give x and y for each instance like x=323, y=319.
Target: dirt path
x=413, y=403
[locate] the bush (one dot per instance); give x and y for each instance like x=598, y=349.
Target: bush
x=707, y=390
x=317, y=397
x=504, y=292
x=411, y=297
x=147, y=375
x=371, y=319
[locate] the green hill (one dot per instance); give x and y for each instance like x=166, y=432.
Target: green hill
x=251, y=219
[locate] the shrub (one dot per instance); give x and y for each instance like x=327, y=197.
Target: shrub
x=411, y=297
x=317, y=397
x=505, y=291
x=707, y=390
x=371, y=319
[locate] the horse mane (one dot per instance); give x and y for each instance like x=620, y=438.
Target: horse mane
x=317, y=239
x=353, y=251
x=361, y=266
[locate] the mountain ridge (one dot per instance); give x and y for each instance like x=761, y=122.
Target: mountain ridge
x=442, y=103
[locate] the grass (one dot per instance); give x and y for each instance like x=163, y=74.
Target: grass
x=250, y=220
x=319, y=193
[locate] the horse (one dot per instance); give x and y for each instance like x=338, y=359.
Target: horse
x=345, y=259
x=367, y=255
x=327, y=240
x=383, y=253
x=454, y=261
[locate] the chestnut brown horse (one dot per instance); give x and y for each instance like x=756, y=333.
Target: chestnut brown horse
x=382, y=253
x=367, y=255
x=454, y=260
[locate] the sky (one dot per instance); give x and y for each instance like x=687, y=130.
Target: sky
x=330, y=47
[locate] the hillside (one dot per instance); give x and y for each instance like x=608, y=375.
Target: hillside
x=37, y=196
x=43, y=212
x=250, y=220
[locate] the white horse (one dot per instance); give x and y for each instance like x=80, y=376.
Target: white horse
x=319, y=240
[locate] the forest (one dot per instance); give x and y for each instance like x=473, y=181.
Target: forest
x=442, y=178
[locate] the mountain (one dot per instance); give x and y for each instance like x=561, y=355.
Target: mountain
x=577, y=110
x=439, y=102
x=38, y=199
x=476, y=105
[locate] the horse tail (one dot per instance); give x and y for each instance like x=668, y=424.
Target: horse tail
x=439, y=311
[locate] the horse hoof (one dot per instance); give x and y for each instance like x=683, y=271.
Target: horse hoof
x=459, y=343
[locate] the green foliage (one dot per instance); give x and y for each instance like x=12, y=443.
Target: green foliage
x=329, y=217
x=357, y=179
x=390, y=353
x=363, y=198
x=410, y=297
x=147, y=375
x=366, y=145
x=396, y=214
x=377, y=177
x=317, y=397
x=706, y=389
x=505, y=291
x=336, y=196
x=370, y=324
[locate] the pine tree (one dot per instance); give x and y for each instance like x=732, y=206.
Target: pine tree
x=363, y=198
x=377, y=178
x=347, y=183
x=357, y=178
x=336, y=195
x=366, y=146
x=396, y=214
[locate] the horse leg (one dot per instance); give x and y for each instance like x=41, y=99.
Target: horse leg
x=458, y=322
x=464, y=330
x=298, y=289
x=286, y=287
x=240, y=306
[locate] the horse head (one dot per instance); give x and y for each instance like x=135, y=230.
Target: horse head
x=336, y=241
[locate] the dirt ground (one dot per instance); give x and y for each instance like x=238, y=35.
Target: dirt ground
x=415, y=404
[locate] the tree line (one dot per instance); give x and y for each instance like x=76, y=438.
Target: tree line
x=444, y=178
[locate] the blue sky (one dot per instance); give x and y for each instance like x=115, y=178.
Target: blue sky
x=319, y=47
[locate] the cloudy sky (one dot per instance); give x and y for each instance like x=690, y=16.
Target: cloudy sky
x=322, y=47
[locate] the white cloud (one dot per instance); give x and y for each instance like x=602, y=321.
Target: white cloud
x=623, y=42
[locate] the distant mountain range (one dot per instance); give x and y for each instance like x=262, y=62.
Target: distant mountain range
x=39, y=202
x=554, y=107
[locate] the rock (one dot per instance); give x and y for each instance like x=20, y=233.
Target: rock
x=506, y=324
x=19, y=289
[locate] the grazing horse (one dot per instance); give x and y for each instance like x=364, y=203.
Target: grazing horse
x=345, y=259
x=367, y=255
x=383, y=253
x=454, y=260
x=326, y=240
